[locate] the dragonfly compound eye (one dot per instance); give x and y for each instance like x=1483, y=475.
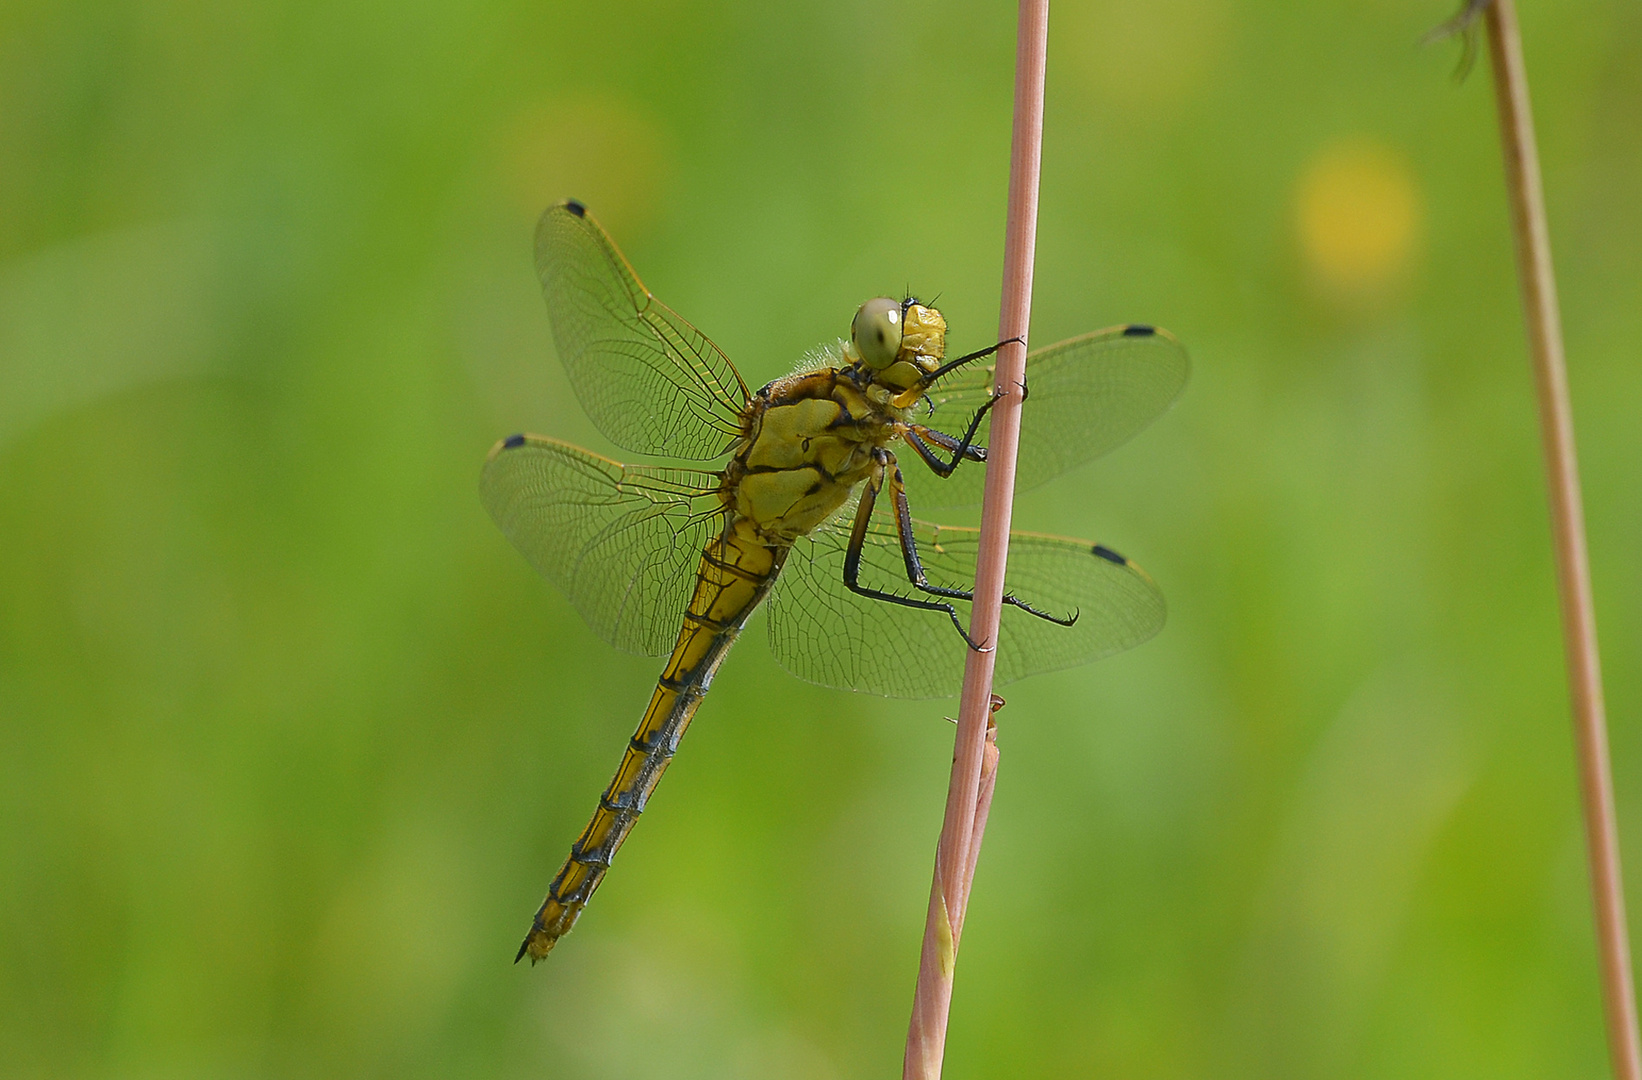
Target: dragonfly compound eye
x=876, y=332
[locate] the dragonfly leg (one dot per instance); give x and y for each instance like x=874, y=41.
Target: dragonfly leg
x=919, y=437
x=858, y=532
x=915, y=567
x=953, y=365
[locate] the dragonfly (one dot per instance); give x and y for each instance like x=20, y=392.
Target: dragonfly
x=807, y=511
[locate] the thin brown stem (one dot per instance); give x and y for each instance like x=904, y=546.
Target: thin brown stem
x=926, y=1035
x=1544, y=325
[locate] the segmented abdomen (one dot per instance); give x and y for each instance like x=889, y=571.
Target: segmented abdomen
x=736, y=573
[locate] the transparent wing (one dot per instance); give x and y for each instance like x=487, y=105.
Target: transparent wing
x=824, y=633
x=652, y=383
x=624, y=542
x=1086, y=396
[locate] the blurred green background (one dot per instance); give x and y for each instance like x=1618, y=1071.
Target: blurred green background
x=291, y=741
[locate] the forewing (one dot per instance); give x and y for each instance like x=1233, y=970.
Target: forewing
x=623, y=541
x=652, y=383
x=824, y=633
x=1086, y=396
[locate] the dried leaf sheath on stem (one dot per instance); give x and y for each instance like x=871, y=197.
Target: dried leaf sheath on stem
x=983, y=808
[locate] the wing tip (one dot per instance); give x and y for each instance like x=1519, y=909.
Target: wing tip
x=575, y=206
x=1108, y=554
x=1138, y=331
x=501, y=446
x=1146, y=330
x=1112, y=556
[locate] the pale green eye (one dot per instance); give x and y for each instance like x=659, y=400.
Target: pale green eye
x=876, y=332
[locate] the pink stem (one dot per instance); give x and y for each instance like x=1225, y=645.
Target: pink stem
x=926, y=1035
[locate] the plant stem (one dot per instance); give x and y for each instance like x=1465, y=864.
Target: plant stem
x=983, y=808
x=954, y=861
x=1544, y=325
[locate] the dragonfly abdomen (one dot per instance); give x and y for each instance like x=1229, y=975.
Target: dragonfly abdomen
x=735, y=575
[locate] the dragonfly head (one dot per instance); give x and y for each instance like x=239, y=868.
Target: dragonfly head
x=899, y=341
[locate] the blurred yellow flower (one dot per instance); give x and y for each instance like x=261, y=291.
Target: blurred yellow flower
x=1358, y=213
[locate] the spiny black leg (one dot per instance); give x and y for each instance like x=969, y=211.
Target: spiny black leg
x=919, y=437
x=852, y=554
x=962, y=449
x=953, y=365
x=948, y=442
x=915, y=567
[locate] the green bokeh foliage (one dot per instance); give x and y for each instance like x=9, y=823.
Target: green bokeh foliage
x=291, y=741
